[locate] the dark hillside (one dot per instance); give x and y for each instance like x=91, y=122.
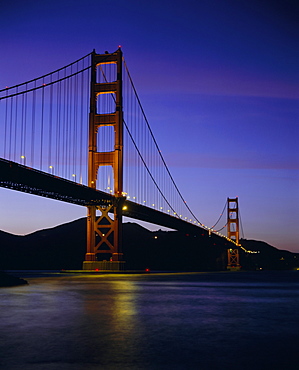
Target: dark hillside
x=56, y=248
x=64, y=247
x=269, y=257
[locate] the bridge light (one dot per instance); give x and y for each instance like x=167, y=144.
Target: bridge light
x=128, y=196
x=161, y=207
x=153, y=205
x=125, y=208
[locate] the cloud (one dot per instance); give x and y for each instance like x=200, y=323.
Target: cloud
x=224, y=81
x=197, y=160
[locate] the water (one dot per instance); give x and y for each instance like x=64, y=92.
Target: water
x=164, y=321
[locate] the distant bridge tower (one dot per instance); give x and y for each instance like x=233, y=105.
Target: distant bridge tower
x=104, y=233
x=233, y=232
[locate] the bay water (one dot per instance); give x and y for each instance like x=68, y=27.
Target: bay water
x=225, y=320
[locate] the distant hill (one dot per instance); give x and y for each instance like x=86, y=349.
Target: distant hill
x=64, y=247
x=269, y=257
x=45, y=249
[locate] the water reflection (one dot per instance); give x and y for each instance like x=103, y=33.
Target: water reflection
x=111, y=321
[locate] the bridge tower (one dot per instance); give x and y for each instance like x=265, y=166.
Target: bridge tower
x=233, y=233
x=104, y=231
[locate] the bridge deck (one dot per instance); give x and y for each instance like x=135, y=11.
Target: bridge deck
x=21, y=178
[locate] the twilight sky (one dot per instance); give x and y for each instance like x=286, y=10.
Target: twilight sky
x=218, y=81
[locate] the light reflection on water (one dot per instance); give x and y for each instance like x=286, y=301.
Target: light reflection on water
x=199, y=321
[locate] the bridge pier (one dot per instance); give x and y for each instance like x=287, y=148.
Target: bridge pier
x=104, y=237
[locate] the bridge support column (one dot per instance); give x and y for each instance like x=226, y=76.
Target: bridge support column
x=233, y=259
x=104, y=237
x=104, y=230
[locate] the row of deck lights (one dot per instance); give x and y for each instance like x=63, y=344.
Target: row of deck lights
x=199, y=223
x=153, y=205
x=51, y=168
x=186, y=218
x=161, y=208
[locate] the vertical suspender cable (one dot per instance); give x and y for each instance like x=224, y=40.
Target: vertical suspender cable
x=57, y=162
x=15, y=127
x=33, y=126
x=25, y=126
x=5, y=126
x=10, y=128
x=63, y=129
x=42, y=126
x=50, y=129
x=81, y=127
x=22, y=125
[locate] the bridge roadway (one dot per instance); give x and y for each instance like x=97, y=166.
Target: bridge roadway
x=25, y=179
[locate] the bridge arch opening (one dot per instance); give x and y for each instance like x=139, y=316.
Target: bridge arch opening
x=105, y=139
x=106, y=103
x=106, y=72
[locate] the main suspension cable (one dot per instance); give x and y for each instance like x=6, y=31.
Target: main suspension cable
x=221, y=214
x=48, y=74
x=156, y=144
x=42, y=86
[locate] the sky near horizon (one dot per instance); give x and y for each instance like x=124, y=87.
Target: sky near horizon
x=218, y=81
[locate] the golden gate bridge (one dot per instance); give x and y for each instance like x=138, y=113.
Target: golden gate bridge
x=80, y=135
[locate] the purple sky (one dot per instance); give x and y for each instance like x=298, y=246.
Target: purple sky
x=218, y=81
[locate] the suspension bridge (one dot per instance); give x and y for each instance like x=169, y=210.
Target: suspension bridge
x=80, y=135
